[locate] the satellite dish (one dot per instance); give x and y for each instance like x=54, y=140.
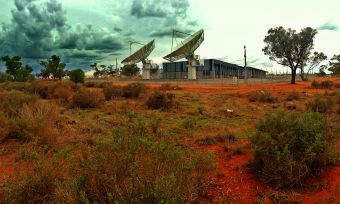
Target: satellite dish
x=186, y=49
x=141, y=55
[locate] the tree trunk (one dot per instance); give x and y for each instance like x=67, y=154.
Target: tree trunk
x=302, y=74
x=293, y=75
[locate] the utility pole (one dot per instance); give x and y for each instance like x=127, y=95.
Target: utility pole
x=245, y=64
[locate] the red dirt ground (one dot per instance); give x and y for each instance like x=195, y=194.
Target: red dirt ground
x=233, y=184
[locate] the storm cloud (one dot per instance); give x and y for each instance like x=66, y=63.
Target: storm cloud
x=37, y=31
x=166, y=16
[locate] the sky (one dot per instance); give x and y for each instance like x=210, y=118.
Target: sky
x=87, y=31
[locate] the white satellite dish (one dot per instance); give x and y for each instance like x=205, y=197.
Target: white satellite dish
x=141, y=55
x=186, y=49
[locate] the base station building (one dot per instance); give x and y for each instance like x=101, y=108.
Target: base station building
x=210, y=69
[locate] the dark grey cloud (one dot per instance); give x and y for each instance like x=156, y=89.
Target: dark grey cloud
x=147, y=8
x=165, y=16
x=38, y=30
x=328, y=26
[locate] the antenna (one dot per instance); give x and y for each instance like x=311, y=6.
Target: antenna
x=186, y=50
x=245, y=63
x=141, y=55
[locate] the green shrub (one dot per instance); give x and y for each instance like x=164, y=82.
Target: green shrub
x=133, y=90
x=77, y=76
x=87, y=99
x=160, y=100
x=190, y=122
x=321, y=105
x=112, y=92
x=289, y=148
x=13, y=101
x=261, y=96
x=5, y=77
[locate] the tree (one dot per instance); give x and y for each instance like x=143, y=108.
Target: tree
x=289, y=48
x=13, y=65
x=53, y=67
x=335, y=65
x=77, y=75
x=15, y=70
x=130, y=70
x=24, y=74
x=311, y=63
x=97, y=72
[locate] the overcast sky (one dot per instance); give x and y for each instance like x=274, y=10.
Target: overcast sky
x=86, y=31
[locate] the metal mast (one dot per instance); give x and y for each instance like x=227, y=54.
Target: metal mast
x=245, y=63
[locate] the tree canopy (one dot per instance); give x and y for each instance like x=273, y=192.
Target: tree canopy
x=311, y=63
x=334, y=64
x=15, y=69
x=288, y=47
x=53, y=67
x=130, y=70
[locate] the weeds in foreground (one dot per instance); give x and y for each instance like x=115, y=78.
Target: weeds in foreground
x=129, y=167
x=289, y=148
x=321, y=105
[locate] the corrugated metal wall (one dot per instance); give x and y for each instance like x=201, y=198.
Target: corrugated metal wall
x=212, y=69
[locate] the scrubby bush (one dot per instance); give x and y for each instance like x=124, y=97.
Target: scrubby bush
x=130, y=167
x=19, y=86
x=41, y=88
x=190, y=122
x=168, y=87
x=321, y=105
x=289, y=148
x=5, y=77
x=96, y=84
x=13, y=101
x=35, y=122
x=133, y=90
x=326, y=84
x=293, y=96
x=89, y=84
x=261, y=96
x=77, y=75
x=160, y=100
x=323, y=85
x=315, y=84
x=53, y=90
x=112, y=92
x=87, y=99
